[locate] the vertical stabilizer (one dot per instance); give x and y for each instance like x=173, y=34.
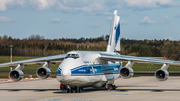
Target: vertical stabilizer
x=118, y=48
x=114, y=36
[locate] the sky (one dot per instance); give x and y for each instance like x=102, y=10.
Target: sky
x=53, y=19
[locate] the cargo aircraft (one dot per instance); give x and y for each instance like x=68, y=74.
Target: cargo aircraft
x=80, y=69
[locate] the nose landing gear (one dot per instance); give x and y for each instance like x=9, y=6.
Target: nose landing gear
x=78, y=89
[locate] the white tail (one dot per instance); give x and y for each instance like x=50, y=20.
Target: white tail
x=114, y=36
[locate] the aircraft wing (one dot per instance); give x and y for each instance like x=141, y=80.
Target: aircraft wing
x=33, y=61
x=115, y=57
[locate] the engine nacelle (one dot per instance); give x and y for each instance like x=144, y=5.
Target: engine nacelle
x=162, y=74
x=43, y=72
x=126, y=72
x=16, y=75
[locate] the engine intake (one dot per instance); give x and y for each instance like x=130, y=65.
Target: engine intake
x=126, y=72
x=162, y=74
x=43, y=72
x=16, y=75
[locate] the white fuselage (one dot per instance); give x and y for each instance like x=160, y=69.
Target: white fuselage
x=85, y=69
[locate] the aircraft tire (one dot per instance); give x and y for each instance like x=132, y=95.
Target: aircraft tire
x=68, y=90
x=113, y=87
x=110, y=86
x=80, y=89
x=76, y=89
x=106, y=86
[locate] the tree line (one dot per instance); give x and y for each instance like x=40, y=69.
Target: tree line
x=36, y=45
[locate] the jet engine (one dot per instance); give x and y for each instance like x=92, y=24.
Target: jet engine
x=16, y=75
x=43, y=72
x=162, y=74
x=126, y=72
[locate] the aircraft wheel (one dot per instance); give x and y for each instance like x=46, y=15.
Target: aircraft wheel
x=106, y=86
x=76, y=89
x=80, y=89
x=68, y=90
x=113, y=87
x=71, y=89
x=110, y=86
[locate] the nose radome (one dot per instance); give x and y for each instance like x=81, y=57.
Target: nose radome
x=66, y=74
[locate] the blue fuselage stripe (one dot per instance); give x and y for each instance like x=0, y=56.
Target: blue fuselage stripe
x=94, y=69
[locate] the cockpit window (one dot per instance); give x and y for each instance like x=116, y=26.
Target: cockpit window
x=72, y=56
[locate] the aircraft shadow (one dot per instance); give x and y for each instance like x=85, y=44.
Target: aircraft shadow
x=87, y=90
x=123, y=90
x=35, y=90
x=135, y=86
x=153, y=90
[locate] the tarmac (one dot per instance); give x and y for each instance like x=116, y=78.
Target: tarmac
x=133, y=89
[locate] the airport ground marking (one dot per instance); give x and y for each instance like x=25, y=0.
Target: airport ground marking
x=153, y=82
x=47, y=97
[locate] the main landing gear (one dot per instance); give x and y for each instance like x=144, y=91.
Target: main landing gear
x=74, y=89
x=110, y=87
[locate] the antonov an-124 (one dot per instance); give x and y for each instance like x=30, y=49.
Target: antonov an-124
x=80, y=69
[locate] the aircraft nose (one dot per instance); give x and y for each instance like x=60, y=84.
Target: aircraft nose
x=66, y=74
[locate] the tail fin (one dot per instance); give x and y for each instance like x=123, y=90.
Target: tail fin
x=114, y=37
